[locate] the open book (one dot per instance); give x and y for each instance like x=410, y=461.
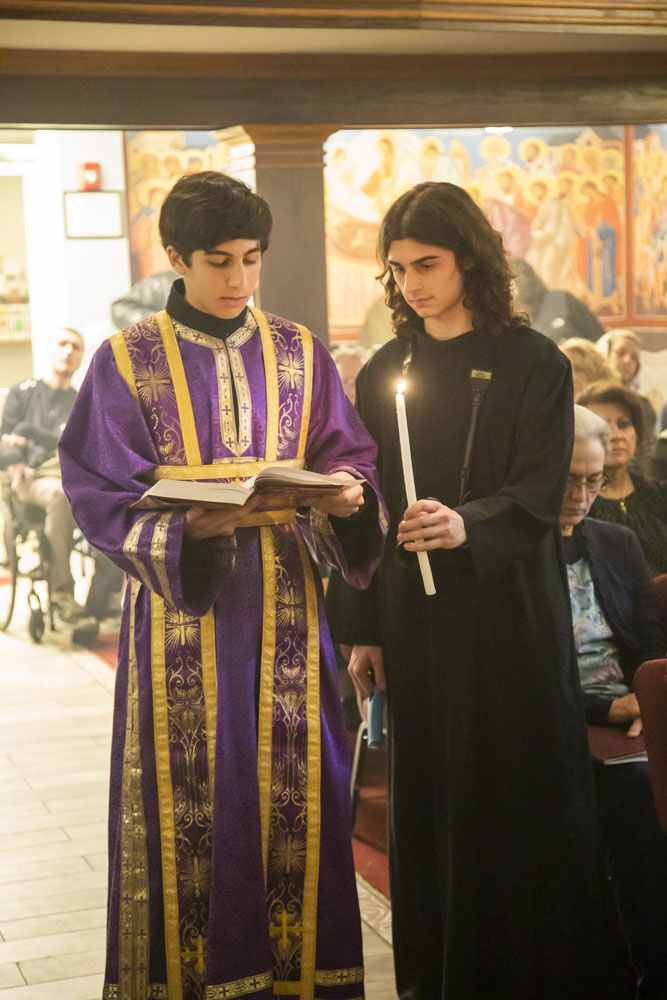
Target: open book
x=610, y=745
x=275, y=484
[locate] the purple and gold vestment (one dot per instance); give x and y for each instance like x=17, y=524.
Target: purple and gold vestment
x=230, y=866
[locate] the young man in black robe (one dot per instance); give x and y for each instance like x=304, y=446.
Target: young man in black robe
x=495, y=877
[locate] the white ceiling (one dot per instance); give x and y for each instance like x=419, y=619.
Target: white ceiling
x=86, y=36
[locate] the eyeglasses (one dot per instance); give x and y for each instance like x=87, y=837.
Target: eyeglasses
x=592, y=484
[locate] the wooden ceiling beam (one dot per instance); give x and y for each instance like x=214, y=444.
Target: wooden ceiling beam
x=605, y=15
x=329, y=66
x=165, y=103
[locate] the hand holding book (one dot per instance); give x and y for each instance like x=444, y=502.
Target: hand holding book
x=219, y=508
x=212, y=521
x=340, y=503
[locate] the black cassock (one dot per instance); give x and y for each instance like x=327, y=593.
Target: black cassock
x=495, y=878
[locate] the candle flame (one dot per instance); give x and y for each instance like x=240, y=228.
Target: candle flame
x=400, y=388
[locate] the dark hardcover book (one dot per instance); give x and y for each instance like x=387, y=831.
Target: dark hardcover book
x=610, y=745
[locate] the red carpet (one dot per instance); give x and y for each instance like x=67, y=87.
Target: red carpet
x=369, y=838
x=106, y=647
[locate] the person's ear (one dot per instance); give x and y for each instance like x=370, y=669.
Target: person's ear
x=176, y=260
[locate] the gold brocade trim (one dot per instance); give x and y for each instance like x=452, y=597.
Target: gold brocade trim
x=311, y=878
x=335, y=977
x=240, y=381
x=272, y=391
x=319, y=521
x=131, y=548
x=224, y=469
x=229, y=369
x=123, y=363
x=240, y=987
x=159, y=554
x=268, y=517
x=133, y=959
x=156, y=991
x=325, y=539
x=265, y=712
x=183, y=400
x=210, y=684
x=307, y=342
x=165, y=800
x=228, y=433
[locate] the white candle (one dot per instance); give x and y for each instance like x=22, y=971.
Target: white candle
x=409, y=479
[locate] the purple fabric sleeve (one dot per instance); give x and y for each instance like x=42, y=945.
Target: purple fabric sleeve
x=107, y=457
x=338, y=441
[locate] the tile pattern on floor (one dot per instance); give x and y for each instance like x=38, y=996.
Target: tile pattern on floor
x=55, y=731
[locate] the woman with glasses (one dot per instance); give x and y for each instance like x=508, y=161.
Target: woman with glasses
x=616, y=627
x=627, y=497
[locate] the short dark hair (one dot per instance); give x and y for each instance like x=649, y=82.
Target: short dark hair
x=444, y=215
x=617, y=395
x=208, y=208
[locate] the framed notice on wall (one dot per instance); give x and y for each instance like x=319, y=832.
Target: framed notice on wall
x=91, y=215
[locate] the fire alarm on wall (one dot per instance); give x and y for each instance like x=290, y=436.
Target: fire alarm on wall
x=90, y=177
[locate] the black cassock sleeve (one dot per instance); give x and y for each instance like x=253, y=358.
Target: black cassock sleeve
x=507, y=525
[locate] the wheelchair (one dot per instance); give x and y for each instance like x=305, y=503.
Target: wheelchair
x=24, y=554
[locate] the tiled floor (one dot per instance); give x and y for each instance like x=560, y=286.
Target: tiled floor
x=55, y=726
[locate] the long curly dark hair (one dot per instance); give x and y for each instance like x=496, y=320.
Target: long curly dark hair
x=444, y=215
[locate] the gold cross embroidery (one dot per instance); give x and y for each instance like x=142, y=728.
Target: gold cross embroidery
x=152, y=382
x=283, y=929
x=195, y=955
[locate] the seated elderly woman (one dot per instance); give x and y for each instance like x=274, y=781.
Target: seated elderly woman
x=616, y=627
x=627, y=497
x=587, y=363
x=621, y=348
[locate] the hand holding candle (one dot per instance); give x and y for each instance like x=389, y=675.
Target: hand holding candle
x=409, y=479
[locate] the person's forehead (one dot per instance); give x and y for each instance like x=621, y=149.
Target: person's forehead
x=587, y=452
x=414, y=250
x=234, y=248
x=626, y=344
x=610, y=411
x=67, y=337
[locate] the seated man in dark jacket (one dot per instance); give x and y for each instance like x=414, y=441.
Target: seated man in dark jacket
x=616, y=627
x=32, y=421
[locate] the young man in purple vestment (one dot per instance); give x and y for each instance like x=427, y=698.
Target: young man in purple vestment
x=230, y=867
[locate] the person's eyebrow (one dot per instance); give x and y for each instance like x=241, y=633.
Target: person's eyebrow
x=420, y=260
x=225, y=253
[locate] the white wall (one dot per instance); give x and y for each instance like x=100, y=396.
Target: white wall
x=72, y=281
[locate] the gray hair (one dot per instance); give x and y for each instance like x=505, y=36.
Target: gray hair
x=589, y=425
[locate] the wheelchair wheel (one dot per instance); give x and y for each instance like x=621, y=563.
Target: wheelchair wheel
x=36, y=625
x=8, y=565
x=36, y=619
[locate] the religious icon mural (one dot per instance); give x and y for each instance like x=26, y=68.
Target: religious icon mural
x=649, y=210
x=557, y=195
x=154, y=162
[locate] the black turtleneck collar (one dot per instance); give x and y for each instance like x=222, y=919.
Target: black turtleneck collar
x=180, y=309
